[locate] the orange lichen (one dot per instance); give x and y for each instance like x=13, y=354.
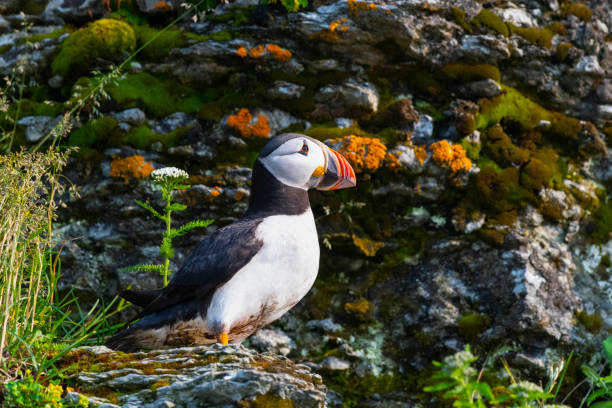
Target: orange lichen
x=133, y=166
x=392, y=162
x=450, y=155
x=215, y=191
x=279, y=54
x=242, y=123
x=242, y=52
x=162, y=5
x=421, y=153
x=363, y=153
x=257, y=52
x=355, y=6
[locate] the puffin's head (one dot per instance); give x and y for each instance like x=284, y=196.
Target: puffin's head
x=303, y=162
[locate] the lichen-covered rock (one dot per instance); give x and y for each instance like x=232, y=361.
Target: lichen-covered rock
x=192, y=377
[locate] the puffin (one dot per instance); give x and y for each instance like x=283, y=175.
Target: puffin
x=249, y=273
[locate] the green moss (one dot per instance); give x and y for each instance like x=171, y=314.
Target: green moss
x=160, y=96
x=513, y=106
x=499, y=189
x=331, y=131
x=29, y=107
x=162, y=45
x=489, y=19
x=563, y=50
x=106, y=38
x=492, y=236
x=143, y=137
x=603, y=224
x=580, y=10
x=472, y=324
x=591, y=322
x=459, y=17
x=605, y=261
x=52, y=35
x=466, y=72
x=543, y=170
x=541, y=37
x=97, y=132
x=472, y=150
x=500, y=148
x=268, y=401
x=353, y=388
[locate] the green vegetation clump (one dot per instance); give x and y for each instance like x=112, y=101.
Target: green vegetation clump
x=106, y=38
x=580, y=10
x=603, y=224
x=100, y=131
x=563, y=50
x=162, y=45
x=467, y=72
x=471, y=325
x=159, y=96
x=591, y=322
x=488, y=18
x=143, y=137
x=500, y=148
x=459, y=17
x=541, y=37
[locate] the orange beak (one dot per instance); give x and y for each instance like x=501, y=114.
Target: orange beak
x=338, y=172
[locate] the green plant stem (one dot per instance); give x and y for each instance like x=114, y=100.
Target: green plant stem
x=168, y=228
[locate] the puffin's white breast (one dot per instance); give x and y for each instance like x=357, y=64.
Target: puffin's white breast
x=275, y=279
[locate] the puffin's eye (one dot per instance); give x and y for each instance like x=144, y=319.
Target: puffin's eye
x=304, y=149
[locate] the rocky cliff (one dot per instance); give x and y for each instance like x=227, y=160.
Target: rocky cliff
x=479, y=131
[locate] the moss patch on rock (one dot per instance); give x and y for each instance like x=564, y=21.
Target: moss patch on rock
x=106, y=38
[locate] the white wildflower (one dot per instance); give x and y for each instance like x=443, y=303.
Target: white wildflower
x=168, y=173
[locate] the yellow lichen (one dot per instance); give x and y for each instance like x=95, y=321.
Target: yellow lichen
x=259, y=51
x=450, y=155
x=362, y=308
x=363, y=153
x=133, y=166
x=241, y=122
x=355, y=6
x=367, y=246
x=421, y=153
x=215, y=191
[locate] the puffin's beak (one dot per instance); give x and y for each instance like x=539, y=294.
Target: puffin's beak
x=338, y=173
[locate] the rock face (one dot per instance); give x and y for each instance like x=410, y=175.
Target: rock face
x=191, y=377
x=481, y=132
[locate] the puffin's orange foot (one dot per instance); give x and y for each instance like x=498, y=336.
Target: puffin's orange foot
x=223, y=338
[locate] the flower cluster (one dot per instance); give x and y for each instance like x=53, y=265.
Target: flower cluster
x=166, y=173
x=132, y=166
x=241, y=122
x=279, y=54
x=363, y=153
x=450, y=155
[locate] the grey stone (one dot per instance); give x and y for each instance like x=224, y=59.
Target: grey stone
x=37, y=127
x=344, y=123
x=604, y=91
x=274, y=340
x=487, y=88
x=335, y=364
x=589, y=64
x=483, y=48
x=172, y=122
x=199, y=376
x=285, y=90
x=72, y=10
x=423, y=130
x=353, y=96
x=516, y=16
x=134, y=116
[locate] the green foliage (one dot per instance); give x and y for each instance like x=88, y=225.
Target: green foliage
x=290, y=5
x=28, y=393
x=459, y=382
x=159, y=96
x=600, y=390
x=168, y=180
x=488, y=18
x=106, y=38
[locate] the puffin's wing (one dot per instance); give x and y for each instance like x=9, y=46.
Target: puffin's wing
x=212, y=263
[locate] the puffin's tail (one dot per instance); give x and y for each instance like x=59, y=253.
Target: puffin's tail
x=140, y=298
x=123, y=341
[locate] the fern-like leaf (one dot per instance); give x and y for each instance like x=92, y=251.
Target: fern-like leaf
x=143, y=267
x=184, y=229
x=152, y=210
x=165, y=248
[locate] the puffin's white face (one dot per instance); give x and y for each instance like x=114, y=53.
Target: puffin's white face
x=303, y=162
